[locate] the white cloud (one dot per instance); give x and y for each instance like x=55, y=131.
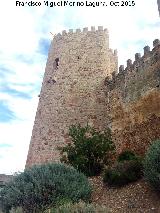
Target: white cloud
x=126, y=25
x=12, y=159
x=17, y=133
x=22, y=28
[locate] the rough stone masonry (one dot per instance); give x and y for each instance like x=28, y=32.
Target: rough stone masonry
x=82, y=84
x=134, y=101
x=72, y=90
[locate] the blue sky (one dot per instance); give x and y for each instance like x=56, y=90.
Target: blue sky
x=24, y=41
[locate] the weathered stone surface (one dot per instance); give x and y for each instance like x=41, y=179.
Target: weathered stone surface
x=134, y=102
x=72, y=90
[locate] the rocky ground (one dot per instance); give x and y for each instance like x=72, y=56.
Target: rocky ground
x=136, y=197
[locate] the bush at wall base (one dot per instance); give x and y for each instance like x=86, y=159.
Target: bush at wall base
x=90, y=149
x=41, y=186
x=123, y=173
x=152, y=165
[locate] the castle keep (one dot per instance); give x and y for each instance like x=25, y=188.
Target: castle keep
x=72, y=90
x=82, y=84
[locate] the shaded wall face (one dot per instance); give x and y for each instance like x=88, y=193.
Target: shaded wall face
x=72, y=91
x=135, y=103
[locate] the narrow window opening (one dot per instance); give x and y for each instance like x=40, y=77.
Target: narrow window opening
x=57, y=62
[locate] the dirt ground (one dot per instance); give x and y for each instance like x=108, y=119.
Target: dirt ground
x=136, y=197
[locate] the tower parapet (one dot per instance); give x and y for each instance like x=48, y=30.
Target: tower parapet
x=79, y=31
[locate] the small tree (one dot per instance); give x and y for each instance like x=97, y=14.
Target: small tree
x=89, y=150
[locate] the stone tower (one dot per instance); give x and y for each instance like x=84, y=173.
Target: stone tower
x=72, y=90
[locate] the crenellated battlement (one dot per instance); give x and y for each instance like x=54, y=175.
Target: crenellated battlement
x=85, y=30
x=132, y=69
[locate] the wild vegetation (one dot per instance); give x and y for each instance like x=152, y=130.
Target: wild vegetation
x=89, y=150
x=128, y=168
x=64, y=188
x=46, y=185
x=80, y=207
x=152, y=165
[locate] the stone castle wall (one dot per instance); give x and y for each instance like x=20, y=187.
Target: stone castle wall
x=134, y=101
x=72, y=90
x=81, y=84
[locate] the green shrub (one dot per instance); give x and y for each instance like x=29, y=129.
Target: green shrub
x=123, y=173
x=89, y=150
x=45, y=185
x=152, y=165
x=80, y=207
x=127, y=155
